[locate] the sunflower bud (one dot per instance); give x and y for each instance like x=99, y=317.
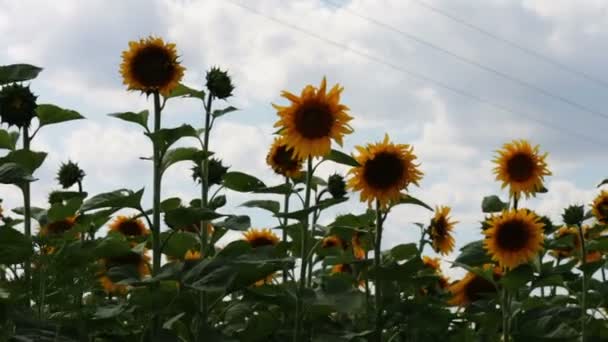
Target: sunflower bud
x=17, y=105
x=336, y=186
x=219, y=83
x=547, y=224
x=573, y=215
x=69, y=174
x=216, y=172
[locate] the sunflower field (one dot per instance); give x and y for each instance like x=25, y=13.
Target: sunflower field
x=80, y=269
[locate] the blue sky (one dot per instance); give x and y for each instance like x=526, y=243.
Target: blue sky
x=79, y=44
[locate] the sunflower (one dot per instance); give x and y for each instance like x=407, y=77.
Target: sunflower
x=514, y=237
x=261, y=237
x=265, y=281
x=129, y=226
x=432, y=263
x=57, y=228
x=151, y=65
x=593, y=256
x=472, y=287
x=332, y=241
x=140, y=261
x=599, y=208
x=313, y=119
x=521, y=167
x=17, y=105
x=341, y=268
x=567, y=251
x=358, y=250
x=282, y=159
x=384, y=170
x=441, y=231
x=192, y=255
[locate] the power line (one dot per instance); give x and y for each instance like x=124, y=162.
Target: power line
x=513, y=44
x=474, y=63
x=418, y=76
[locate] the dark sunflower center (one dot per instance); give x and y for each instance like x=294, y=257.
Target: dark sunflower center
x=602, y=208
x=59, y=227
x=260, y=241
x=130, y=228
x=153, y=66
x=478, y=286
x=314, y=120
x=512, y=235
x=440, y=229
x=331, y=243
x=384, y=171
x=520, y=167
x=283, y=158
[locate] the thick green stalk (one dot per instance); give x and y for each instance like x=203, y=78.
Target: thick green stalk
x=284, y=226
x=313, y=229
x=584, y=282
x=27, y=217
x=156, y=190
x=505, y=315
x=304, y=254
x=377, y=285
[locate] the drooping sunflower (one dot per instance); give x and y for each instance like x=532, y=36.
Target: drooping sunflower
x=282, y=160
x=57, y=228
x=260, y=237
x=140, y=261
x=441, y=231
x=599, y=208
x=514, y=237
x=151, y=65
x=384, y=170
x=129, y=226
x=313, y=119
x=521, y=167
x=567, y=251
x=332, y=241
x=472, y=287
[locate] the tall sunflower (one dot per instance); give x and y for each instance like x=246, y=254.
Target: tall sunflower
x=599, y=208
x=129, y=226
x=140, y=261
x=260, y=237
x=313, y=119
x=521, y=167
x=384, y=170
x=151, y=65
x=441, y=231
x=472, y=287
x=514, y=237
x=282, y=160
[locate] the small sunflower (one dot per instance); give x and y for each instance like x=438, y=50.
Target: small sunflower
x=384, y=170
x=514, y=237
x=432, y=263
x=313, y=119
x=472, y=288
x=441, y=231
x=17, y=105
x=140, y=261
x=57, y=228
x=266, y=281
x=593, y=256
x=567, y=251
x=261, y=237
x=599, y=208
x=282, y=159
x=521, y=167
x=129, y=226
x=341, y=268
x=332, y=241
x=151, y=65
x=192, y=255
x=358, y=250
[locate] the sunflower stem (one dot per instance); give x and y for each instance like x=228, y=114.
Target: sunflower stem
x=603, y=274
x=377, y=285
x=284, y=226
x=156, y=203
x=27, y=217
x=315, y=217
x=584, y=282
x=204, y=204
x=505, y=315
x=304, y=256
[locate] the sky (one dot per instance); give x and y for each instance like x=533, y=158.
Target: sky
x=424, y=71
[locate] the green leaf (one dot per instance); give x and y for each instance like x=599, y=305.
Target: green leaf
x=186, y=216
x=473, y=254
x=242, y=182
x=184, y=91
x=18, y=73
x=60, y=211
x=112, y=246
x=217, y=202
x=15, y=247
x=404, y=251
x=109, y=311
x=170, y=203
x=281, y=189
x=179, y=154
x=140, y=118
x=49, y=114
x=122, y=198
x=176, y=244
x=518, y=277
x=272, y=206
x=407, y=199
x=493, y=204
x=221, y=112
x=238, y=222
x=301, y=215
x=166, y=137
x=7, y=140
x=29, y=160
x=171, y=321
x=341, y=158
x=12, y=173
